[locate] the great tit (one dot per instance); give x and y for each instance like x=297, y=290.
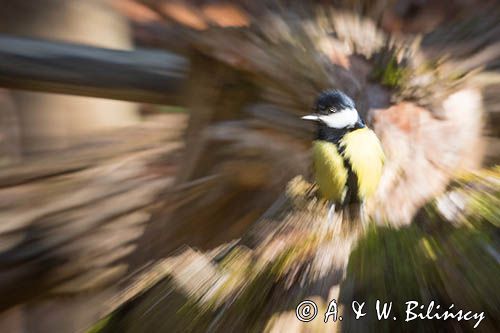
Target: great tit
x=347, y=156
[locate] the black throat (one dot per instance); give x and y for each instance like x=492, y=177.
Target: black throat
x=334, y=135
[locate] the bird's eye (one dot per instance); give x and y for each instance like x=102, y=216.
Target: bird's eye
x=333, y=110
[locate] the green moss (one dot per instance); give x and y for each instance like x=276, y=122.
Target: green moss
x=482, y=191
x=410, y=264
x=100, y=326
x=393, y=75
x=450, y=264
x=194, y=316
x=171, y=109
x=390, y=74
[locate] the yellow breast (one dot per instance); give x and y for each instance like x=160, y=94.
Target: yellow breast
x=329, y=170
x=364, y=153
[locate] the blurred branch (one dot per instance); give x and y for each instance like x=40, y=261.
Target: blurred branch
x=140, y=76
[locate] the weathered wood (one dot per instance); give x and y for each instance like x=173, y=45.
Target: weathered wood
x=140, y=76
x=103, y=202
x=262, y=271
x=221, y=93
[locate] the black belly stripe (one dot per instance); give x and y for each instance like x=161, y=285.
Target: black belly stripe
x=335, y=136
x=352, y=179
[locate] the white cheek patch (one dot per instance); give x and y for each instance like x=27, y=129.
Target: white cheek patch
x=341, y=119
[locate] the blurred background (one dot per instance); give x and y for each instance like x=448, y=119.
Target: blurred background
x=155, y=173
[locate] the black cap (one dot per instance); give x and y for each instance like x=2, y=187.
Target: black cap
x=333, y=100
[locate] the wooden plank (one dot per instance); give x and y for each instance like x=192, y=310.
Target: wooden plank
x=96, y=150
x=149, y=76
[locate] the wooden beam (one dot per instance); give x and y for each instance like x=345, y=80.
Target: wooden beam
x=149, y=76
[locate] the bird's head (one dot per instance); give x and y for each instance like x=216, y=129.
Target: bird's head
x=335, y=110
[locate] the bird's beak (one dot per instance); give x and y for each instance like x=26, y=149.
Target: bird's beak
x=313, y=117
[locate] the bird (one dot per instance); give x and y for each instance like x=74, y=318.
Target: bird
x=348, y=157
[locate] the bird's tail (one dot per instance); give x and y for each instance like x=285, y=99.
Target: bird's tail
x=353, y=217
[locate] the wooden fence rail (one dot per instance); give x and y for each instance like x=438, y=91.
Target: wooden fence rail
x=149, y=76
